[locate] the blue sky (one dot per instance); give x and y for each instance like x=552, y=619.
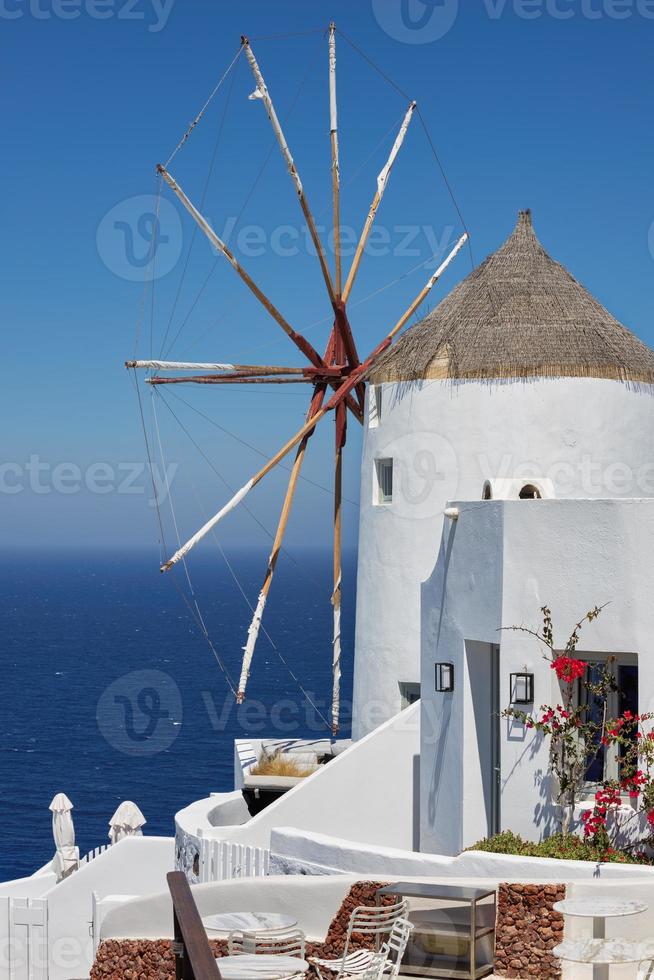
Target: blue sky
x=531, y=104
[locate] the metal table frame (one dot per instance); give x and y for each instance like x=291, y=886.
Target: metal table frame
x=453, y=893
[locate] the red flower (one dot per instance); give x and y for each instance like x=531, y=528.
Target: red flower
x=568, y=669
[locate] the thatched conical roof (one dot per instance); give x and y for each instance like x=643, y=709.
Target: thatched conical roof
x=519, y=314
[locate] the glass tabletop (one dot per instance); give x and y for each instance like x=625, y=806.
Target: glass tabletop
x=248, y=922
x=600, y=907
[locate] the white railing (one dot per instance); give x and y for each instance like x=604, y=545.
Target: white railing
x=221, y=860
x=96, y=852
x=23, y=939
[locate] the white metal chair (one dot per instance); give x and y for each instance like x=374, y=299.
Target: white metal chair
x=377, y=921
x=387, y=961
x=283, y=942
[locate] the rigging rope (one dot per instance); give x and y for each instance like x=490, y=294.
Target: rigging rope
x=199, y=616
x=248, y=445
x=147, y=282
x=263, y=527
x=248, y=197
x=387, y=78
x=195, y=225
x=300, y=686
x=204, y=108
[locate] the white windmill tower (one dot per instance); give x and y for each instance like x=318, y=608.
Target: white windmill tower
x=518, y=384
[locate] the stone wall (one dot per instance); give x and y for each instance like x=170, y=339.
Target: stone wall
x=527, y=929
x=142, y=959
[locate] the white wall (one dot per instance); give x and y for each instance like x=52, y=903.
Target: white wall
x=593, y=438
x=498, y=564
x=133, y=866
x=298, y=852
x=312, y=902
x=33, y=887
x=368, y=793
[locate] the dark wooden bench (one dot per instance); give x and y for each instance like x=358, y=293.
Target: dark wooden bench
x=194, y=959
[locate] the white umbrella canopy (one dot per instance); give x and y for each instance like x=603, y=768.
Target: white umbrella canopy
x=66, y=857
x=127, y=821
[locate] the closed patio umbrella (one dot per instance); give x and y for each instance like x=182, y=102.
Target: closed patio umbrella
x=127, y=821
x=66, y=857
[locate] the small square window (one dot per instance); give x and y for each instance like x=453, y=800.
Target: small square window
x=384, y=471
x=409, y=693
x=374, y=406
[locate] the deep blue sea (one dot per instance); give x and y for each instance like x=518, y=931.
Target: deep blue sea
x=110, y=692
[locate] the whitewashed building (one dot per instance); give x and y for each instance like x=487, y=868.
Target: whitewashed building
x=523, y=398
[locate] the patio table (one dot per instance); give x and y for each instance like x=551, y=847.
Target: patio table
x=597, y=949
x=226, y=922
x=252, y=966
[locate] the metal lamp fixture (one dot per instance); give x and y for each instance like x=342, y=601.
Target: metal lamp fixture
x=522, y=689
x=444, y=678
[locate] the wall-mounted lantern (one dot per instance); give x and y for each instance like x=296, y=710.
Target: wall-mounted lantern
x=522, y=689
x=444, y=678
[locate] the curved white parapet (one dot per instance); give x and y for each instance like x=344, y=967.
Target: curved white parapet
x=375, y=776
x=301, y=852
x=200, y=818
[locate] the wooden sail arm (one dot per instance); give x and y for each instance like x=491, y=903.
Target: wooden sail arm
x=261, y=92
x=300, y=342
x=263, y=375
x=349, y=346
x=340, y=437
x=229, y=379
x=357, y=375
x=336, y=169
x=255, y=625
x=210, y=366
x=382, y=181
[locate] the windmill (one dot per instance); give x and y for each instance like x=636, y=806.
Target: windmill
x=336, y=378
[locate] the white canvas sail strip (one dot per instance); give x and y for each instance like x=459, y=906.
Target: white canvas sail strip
x=248, y=649
x=262, y=93
x=211, y=523
x=181, y=366
x=443, y=266
x=336, y=657
x=333, y=112
x=333, y=116
x=384, y=173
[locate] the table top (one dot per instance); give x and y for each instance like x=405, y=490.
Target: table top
x=604, y=951
x=418, y=889
x=601, y=907
x=250, y=966
x=248, y=922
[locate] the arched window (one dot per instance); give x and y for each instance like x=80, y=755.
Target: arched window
x=487, y=493
x=529, y=492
